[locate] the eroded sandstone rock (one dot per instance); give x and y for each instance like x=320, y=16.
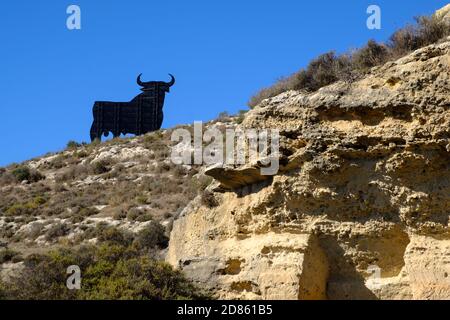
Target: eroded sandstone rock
x=364, y=183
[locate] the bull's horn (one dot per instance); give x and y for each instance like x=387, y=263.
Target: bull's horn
x=139, y=82
x=172, y=81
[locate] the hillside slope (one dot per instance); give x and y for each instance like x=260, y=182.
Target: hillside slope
x=69, y=198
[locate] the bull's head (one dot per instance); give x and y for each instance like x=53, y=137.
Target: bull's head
x=147, y=86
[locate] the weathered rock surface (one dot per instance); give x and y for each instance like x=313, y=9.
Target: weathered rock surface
x=363, y=190
x=444, y=13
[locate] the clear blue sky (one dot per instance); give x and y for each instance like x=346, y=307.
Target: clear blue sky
x=221, y=52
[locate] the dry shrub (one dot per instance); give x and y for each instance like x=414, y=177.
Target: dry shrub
x=208, y=199
x=6, y=177
x=427, y=30
x=328, y=67
x=371, y=55
x=77, y=172
x=100, y=167
x=57, y=230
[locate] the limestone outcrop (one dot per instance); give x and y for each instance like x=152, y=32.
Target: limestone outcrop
x=360, y=206
x=444, y=13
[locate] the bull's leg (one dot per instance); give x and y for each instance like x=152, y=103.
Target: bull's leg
x=94, y=132
x=96, y=128
x=159, y=119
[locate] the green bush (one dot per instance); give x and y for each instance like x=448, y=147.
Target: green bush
x=141, y=278
x=108, y=272
x=21, y=173
x=43, y=277
x=24, y=173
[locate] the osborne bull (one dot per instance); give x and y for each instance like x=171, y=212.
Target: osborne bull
x=141, y=115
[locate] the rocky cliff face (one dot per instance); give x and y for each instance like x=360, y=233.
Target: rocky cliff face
x=360, y=207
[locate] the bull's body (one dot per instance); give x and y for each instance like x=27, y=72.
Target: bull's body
x=141, y=115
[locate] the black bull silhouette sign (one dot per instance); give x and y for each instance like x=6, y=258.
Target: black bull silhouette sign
x=141, y=115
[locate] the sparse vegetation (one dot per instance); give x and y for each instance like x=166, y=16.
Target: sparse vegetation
x=240, y=116
x=329, y=67
x=71, y=145
x=223, y=117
